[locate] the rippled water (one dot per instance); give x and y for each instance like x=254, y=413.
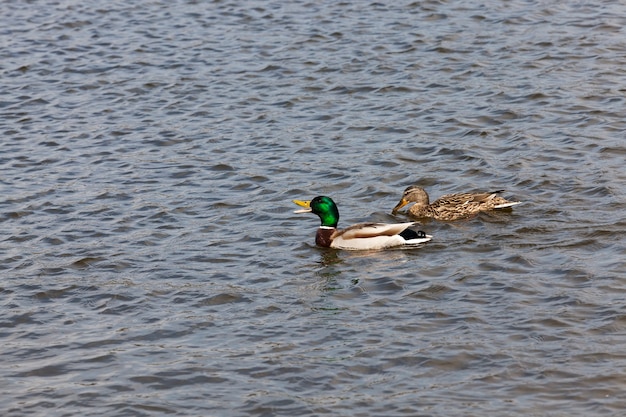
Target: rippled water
x=151, y=263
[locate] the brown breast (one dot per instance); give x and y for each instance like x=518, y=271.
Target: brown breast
x=324, y=237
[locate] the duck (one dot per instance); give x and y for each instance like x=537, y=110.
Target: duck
x=450, y=206
x=361, y=236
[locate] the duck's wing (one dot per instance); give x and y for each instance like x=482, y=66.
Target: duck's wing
x=493, y=200
x=461, y=199
x=462, y=205
x=365, y=230
x=374, y=236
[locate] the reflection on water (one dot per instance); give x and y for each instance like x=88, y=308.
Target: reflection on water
x=150, y=260
x=329, y=258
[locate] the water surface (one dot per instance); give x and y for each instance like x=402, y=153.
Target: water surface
x=150, y=260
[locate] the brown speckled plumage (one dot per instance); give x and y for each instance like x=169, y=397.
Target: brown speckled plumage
x=450, y=206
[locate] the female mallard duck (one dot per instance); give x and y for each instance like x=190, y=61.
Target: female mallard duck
x=360, y=236
x=450, y=206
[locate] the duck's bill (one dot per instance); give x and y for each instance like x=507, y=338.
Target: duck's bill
x=398, y=206
x=305, y=204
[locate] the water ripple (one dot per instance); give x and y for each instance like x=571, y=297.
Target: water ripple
x=151, y=260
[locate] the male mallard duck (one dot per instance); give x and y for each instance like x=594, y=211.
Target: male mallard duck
x=358, y=236
x=450, y=206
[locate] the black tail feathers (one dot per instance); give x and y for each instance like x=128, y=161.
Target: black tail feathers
x=409, y=234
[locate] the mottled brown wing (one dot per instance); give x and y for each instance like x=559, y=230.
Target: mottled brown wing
x=451, y=200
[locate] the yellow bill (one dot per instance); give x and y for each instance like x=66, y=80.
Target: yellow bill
x=401, y=204
x=305, y=204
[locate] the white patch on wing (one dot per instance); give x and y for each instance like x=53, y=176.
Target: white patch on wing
x=505, y=205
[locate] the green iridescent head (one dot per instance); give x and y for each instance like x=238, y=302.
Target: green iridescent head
x=324, y=207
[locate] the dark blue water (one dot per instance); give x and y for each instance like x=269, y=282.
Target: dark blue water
x=151, y=263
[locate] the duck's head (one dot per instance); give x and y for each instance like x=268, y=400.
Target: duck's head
x=412, y=194
x=324, y=207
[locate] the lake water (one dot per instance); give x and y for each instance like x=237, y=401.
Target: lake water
x=150, y=260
